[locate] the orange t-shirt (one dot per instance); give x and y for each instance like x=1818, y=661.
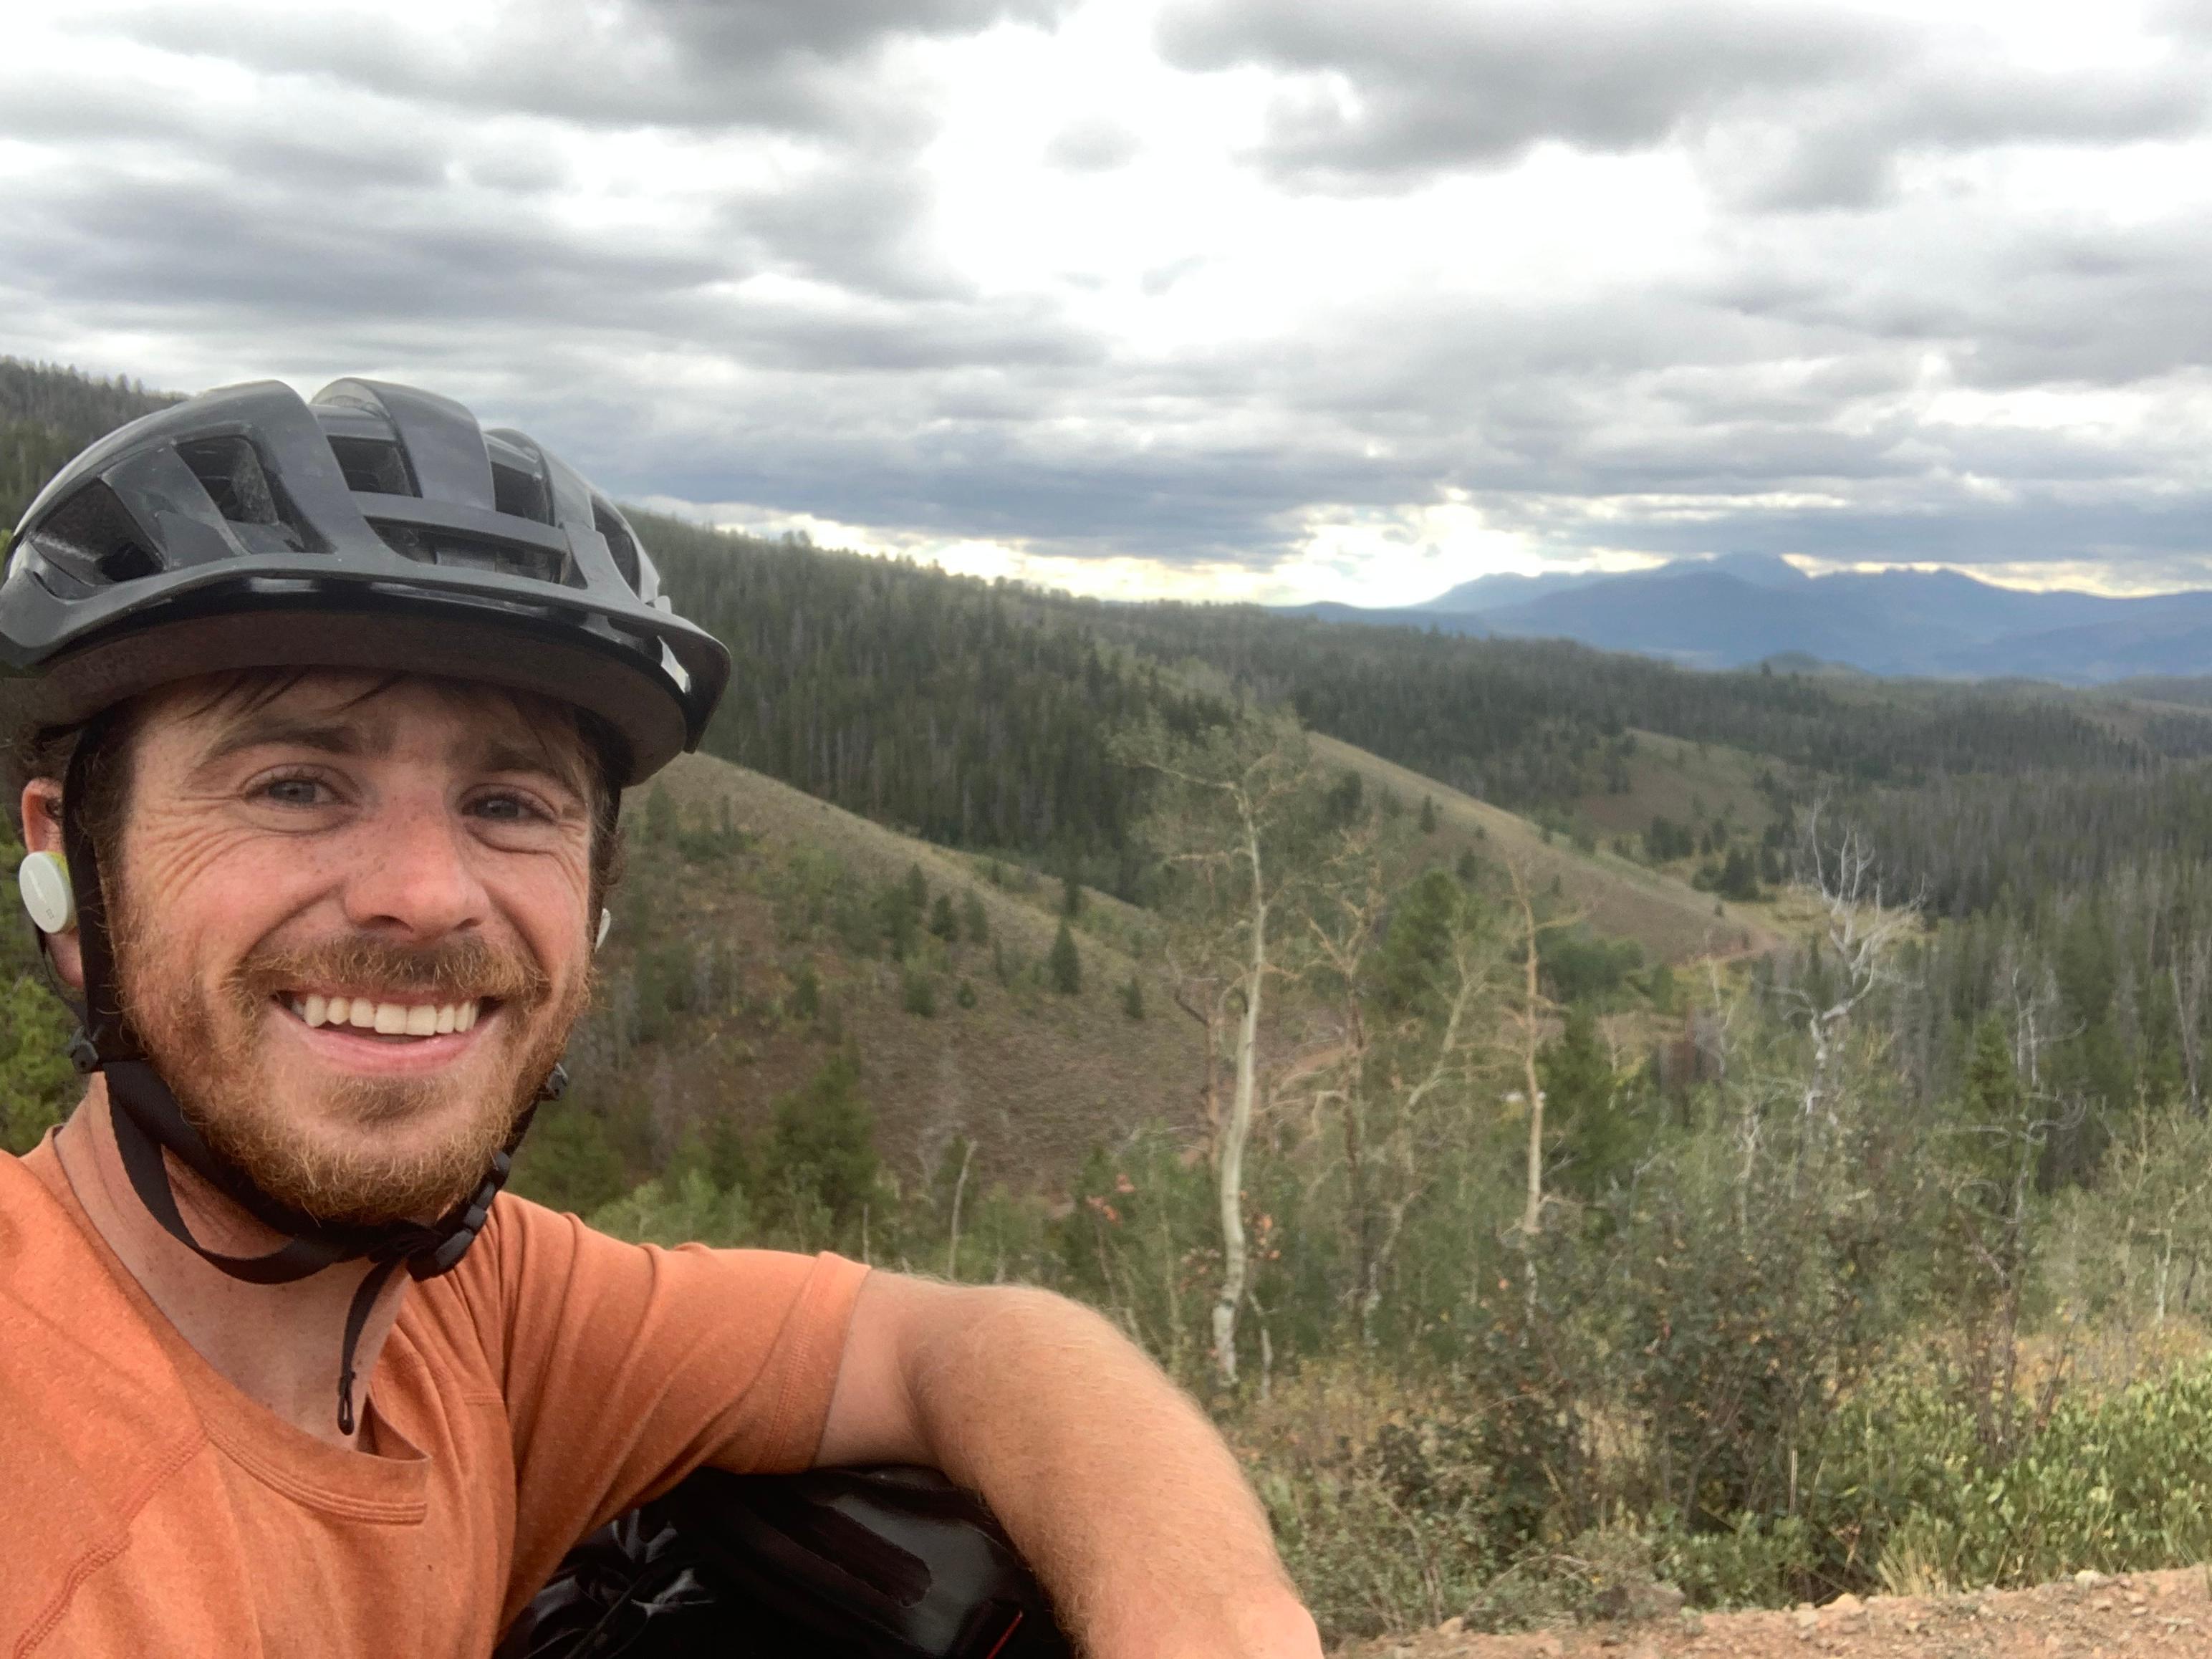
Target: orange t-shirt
x=554, y=1379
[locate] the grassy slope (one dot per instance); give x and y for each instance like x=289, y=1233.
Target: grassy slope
x=1033, y=1078
x=1671, y=919
x=1688, y=782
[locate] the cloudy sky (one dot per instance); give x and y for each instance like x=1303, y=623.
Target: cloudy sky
x=1215, y=298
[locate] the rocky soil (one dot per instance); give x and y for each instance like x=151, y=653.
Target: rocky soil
x=2090, y=1615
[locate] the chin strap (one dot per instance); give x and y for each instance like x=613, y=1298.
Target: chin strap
x=149, y=1122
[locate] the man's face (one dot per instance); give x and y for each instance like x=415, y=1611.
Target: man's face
x=415, y=851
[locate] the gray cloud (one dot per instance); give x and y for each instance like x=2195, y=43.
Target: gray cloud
x=710, y=64
x=1402, y=92
x=1822, y=103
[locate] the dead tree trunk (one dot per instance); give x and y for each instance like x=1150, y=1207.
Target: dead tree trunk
x=1230, y=1172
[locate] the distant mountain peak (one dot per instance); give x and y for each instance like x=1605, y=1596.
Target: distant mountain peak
x=1494, y=592
x=1760, y=569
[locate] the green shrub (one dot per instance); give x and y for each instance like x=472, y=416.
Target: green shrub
x=805, y=992
x=568, y=1162
x=1064, y=966
x=942, y=922
x=919, y=994
x=36, y=1078
x=1132, y=998
x=2122, y=1485
x=819, y=1165
x=660, y=820
x=679, y=1208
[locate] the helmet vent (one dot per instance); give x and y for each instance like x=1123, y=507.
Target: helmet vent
x=92, y=535
x=230, y=472
x=374, y=466
x=619, y=540
x=520, y=493
x=453, y=550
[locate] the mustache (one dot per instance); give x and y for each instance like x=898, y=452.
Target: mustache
x=451, y=970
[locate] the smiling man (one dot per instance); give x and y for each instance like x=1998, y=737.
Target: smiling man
x=325, y=713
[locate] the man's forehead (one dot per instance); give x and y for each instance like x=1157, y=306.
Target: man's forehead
x=349, y=712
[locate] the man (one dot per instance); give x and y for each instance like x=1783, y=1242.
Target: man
x=326, y=712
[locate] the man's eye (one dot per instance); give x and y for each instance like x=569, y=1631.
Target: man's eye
x=506, y=809
x=294, y=792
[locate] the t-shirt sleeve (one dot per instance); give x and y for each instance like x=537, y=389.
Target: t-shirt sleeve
x=627, y=1366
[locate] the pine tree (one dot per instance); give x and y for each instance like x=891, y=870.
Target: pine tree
x=821, y=1148
x=1591, y=1132
x=806, y=992
x=1064, y=965
x=660, y=819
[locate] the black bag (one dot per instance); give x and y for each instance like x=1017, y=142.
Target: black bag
x=833, y=1563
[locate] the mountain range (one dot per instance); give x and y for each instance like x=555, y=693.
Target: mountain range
x=1742, y=609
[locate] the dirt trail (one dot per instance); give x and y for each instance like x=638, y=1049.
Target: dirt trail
x=2089, y=1616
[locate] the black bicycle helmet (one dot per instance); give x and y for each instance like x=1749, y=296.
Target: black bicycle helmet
x=377, y=527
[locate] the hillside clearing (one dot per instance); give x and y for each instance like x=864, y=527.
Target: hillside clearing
x=1033, y=1079
x=1617, y=896
x=1688, y=782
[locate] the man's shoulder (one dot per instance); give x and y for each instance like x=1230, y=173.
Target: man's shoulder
x=93, y=1416
x=532, y=1266
x=63, y=1300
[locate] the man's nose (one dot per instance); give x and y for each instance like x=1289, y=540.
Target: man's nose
x=414, y=874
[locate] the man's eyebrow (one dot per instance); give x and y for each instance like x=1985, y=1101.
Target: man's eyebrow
x=259, y=731
x=538, y=759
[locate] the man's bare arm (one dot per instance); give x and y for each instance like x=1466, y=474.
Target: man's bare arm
x=1115, y=1488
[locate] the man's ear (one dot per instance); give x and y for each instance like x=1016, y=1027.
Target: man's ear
x=42, y=833
x=42, y=816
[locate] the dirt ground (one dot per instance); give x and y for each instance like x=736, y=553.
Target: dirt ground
x=2090, y=1616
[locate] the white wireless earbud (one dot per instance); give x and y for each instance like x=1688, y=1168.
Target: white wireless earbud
x=44, y=880
x=606, y=921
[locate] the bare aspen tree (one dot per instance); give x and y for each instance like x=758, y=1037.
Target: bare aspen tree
x=2161, y=1175
x=1860, y=929
x=1202, y=991
x=959, y=1189
x=1530, y=1013
x=2191, y=974
x=1345, y=923
x=1227, y=797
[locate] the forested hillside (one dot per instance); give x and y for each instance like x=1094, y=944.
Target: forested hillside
x=972, y=712
x=47, y=414
x=966, y=714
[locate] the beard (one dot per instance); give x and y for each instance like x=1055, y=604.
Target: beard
x=323, y=1156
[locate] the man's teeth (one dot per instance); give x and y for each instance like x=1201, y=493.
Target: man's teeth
x=387, y=1018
